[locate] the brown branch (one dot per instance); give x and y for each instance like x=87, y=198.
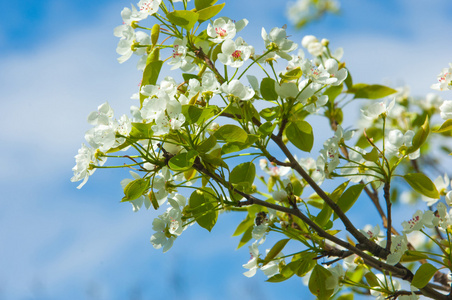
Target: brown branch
x=388, y=211
x=201, y=55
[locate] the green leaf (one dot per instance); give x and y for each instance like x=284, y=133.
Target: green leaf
x=410, y=256
x=423, y=275
x=184, y=18
x=268, y=91
x=339, y=191
x=209, y=12
x=277, y=278
x=207, y=144
x=372, y=155
x=246, y=237
x=307, y=263
x=183, y=161
x=292, y=74
x=446, y=126
x=244, y=225
x=349, y=197
x=150, y=75
x=422, y=184
x=269, y=113
x=324, y=215
x=141, y=131
x=370, y=91
x=202, y=205
x=317, y=283
x=420, y=136
x=267, y=128
x=278, y=247
x=244, y=172
x=349, y=296
x=201, y=4
x=300, y=135
x=135, y=189
x=188, y=76
x=372, y=279
x=332, y=92
x=231, y=133
x=348, y=81
x=194, y=114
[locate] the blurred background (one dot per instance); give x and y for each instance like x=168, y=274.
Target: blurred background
x=58, y=63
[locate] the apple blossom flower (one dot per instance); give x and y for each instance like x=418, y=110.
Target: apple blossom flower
x=237, y=89
x=128, y=42
x=311, y=97
x=444, y=80
x=397, y=143
x=313, y=45
x=170, y=119
x=102, y=137
x=253, y=264
x=103, y=116
x=398, y=247
x=358, y=168
x=332, y=67
x=418, y=221
x=375, y=110
x=277, y=41
x=169, y=225
x=180, y=59
x=84, y=160
x=130, y=15
x=316, y=74
x=234, y=54
x=446, y=110
x=224, y=28
x=148, y=7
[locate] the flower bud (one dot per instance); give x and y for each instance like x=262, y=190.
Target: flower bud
x=155, y=33
x=325, y=42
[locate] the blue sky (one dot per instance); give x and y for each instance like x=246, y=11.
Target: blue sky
x=58, y=63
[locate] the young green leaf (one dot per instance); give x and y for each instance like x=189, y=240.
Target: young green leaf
x=202, y=205
x=209, y=12
x=231, y=133
x=135, y=189
x=278, y=247
x=372, y=155
x=420, y=136
x=317, y=283
x=244, y=172
x=246, y=237
x=370, y=91
x=244, y=225
x=446, y=126
x=201, y=4
x=150, y=74
x=349, y=197
x=300, y=135
x=183, y=161
x=423, y=275
x=184, y=18
x=268, y=91
x=422, y=184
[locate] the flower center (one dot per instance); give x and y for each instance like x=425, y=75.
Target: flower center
x=221, y=32
x=237, y=55
x=146, y=6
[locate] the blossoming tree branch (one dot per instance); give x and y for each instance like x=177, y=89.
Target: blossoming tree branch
x=229, y=130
